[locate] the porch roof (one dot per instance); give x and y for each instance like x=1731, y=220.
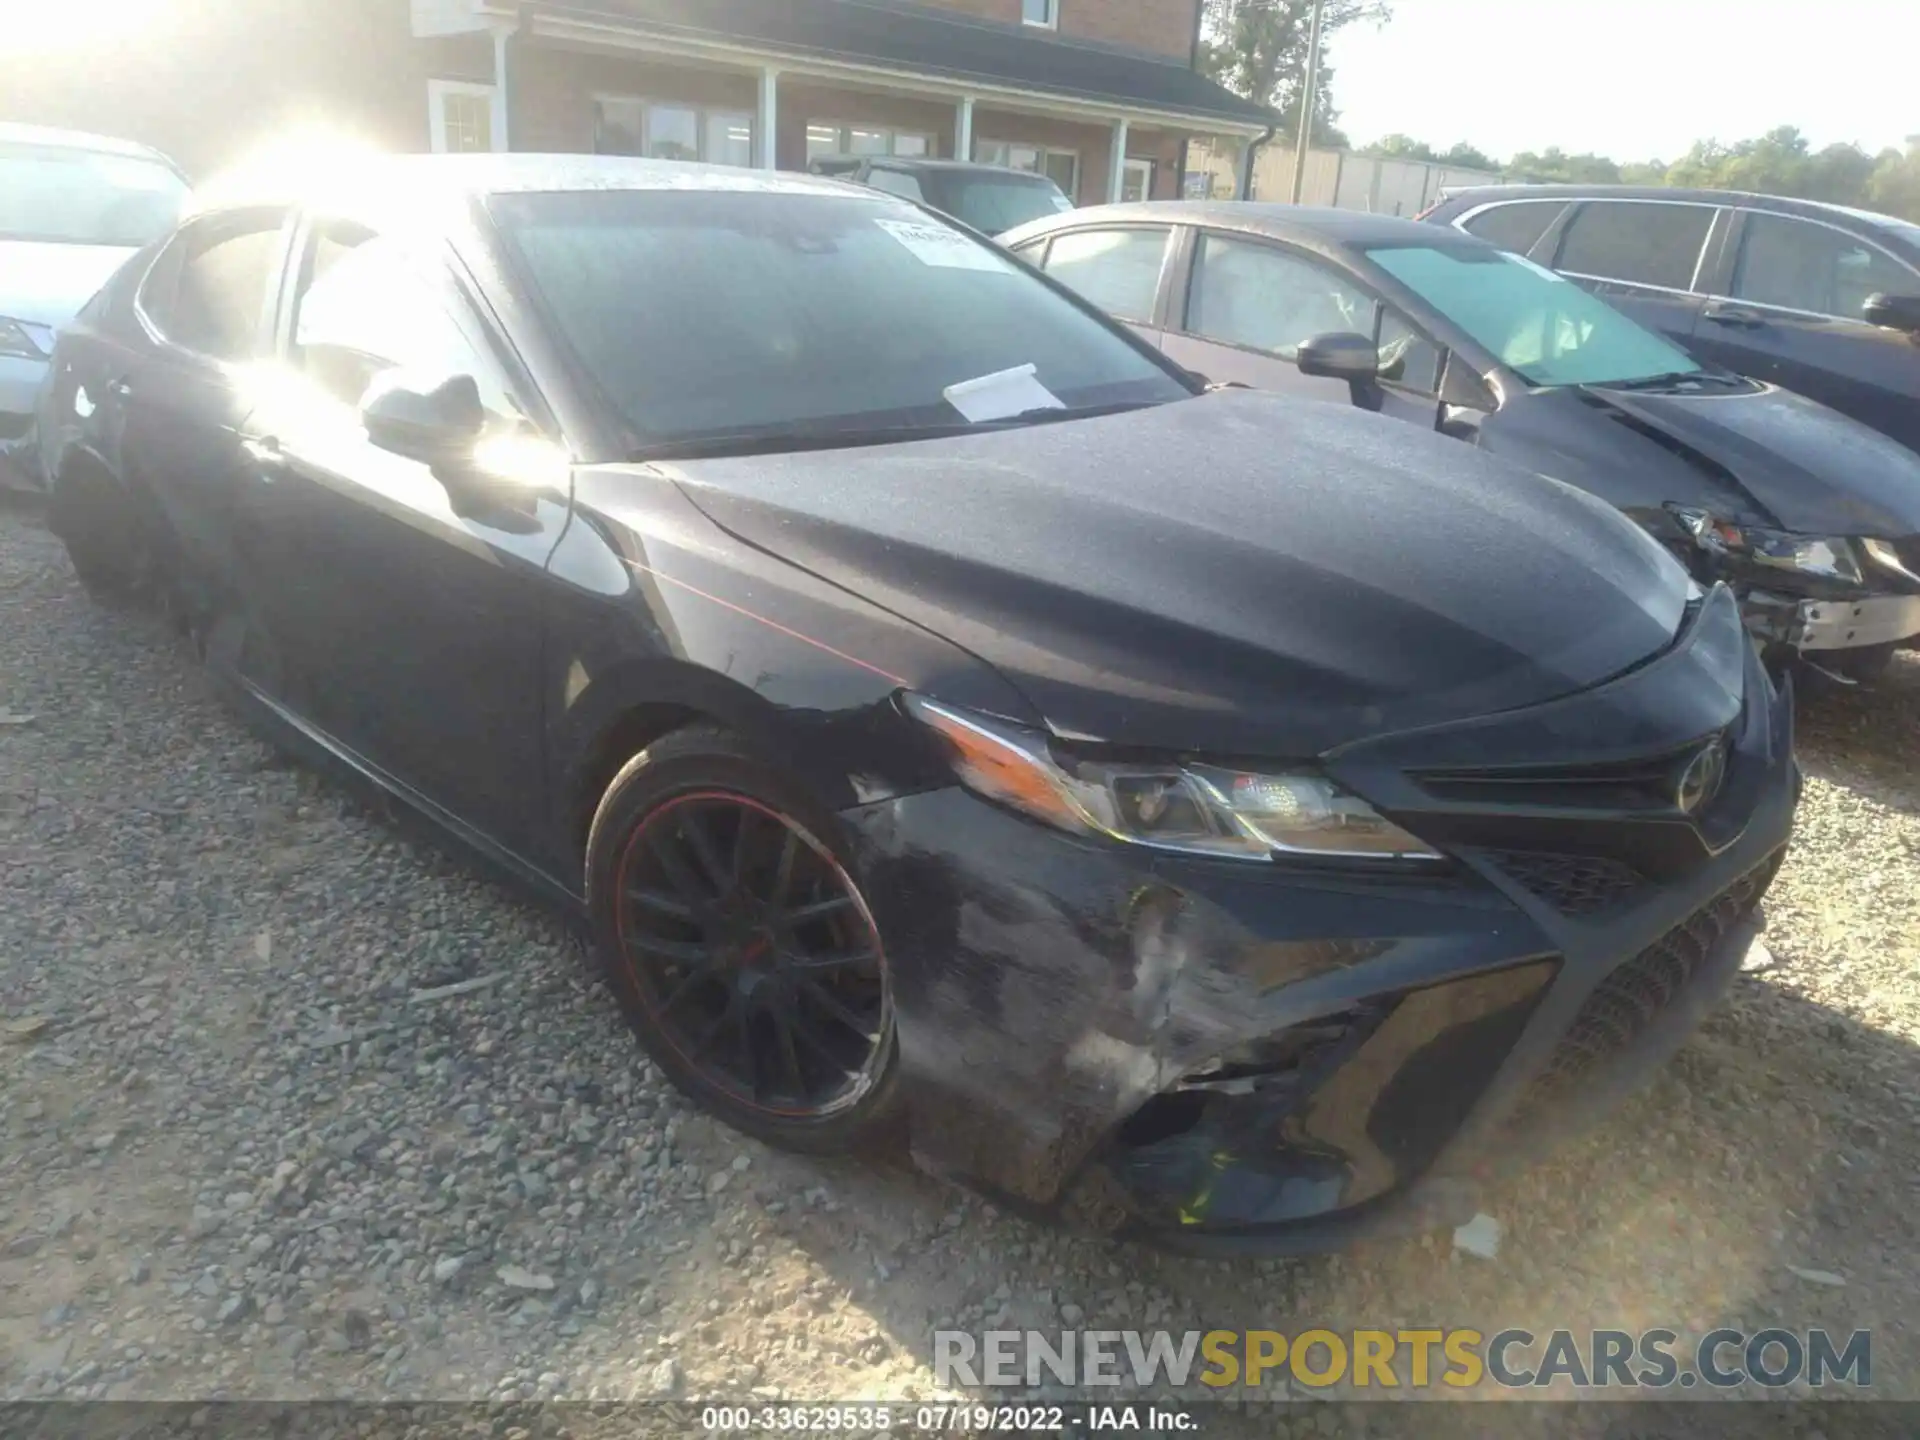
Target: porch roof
x=907, y=40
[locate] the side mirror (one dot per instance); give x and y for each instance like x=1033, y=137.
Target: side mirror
x=1339, y=355
x=1895, y=312
x=438, y=426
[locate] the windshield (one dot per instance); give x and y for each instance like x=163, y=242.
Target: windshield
x=994, y=203
x=1544, y=327
x=706, y=314
x=63, y=196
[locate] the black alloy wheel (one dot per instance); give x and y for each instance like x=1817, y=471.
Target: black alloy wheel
x=741, y=947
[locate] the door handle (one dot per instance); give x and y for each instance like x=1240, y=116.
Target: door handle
x=1734, y=315
x=120, y=390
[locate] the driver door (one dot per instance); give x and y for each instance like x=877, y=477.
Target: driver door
x=1249, y=304
x=412, y=632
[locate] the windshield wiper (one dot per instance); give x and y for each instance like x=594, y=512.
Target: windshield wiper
x=1669, y=380
x=794, y=440
x=781, y=442
x=1052, y=414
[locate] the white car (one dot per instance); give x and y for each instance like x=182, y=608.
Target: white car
x=73, y=207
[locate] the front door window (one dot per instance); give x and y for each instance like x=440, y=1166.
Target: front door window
x=1798, y=265
x=1136, y=180
x=1250, y=294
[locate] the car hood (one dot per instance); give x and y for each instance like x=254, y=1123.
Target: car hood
x=1237, y=572
x=48, y=284
x=1807, y=467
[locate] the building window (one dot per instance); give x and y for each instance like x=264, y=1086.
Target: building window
x=1136, y=180
x=831, y=137
x=664, y=131
x=1040, y=12
x=460, y=116
x=1060, y=166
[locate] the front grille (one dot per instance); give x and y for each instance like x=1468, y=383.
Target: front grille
x=1643, y=783
x=1634, y=994
x=1573, y=884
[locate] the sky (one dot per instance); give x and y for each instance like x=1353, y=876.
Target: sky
x=1632, y=79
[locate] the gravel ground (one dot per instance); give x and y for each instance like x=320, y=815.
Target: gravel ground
x=246, y=1150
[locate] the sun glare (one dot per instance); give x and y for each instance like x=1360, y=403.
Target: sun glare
x=37, y=25
x=303, y=164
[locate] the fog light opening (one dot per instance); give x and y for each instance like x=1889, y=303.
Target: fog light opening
x=1162, y=1118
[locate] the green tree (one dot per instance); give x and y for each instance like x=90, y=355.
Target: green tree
x=1894, y=185
x=1258, y=48
x=1405, y=147
x=1401, y=147
x=1554, y=165
x=1468, y=157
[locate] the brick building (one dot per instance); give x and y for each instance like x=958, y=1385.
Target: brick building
x=1099, y=94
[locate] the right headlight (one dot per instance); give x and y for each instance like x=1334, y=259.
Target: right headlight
x=1184, y=805
x=1822, y=556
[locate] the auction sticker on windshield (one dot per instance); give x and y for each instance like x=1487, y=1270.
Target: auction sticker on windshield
x=938, y=246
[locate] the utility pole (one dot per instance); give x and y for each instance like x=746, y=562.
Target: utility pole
x=1306, y=102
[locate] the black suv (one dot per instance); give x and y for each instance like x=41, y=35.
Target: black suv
x=990, y=198
x=1816, y=298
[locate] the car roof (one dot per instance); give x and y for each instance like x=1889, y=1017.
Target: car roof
x=1340, y=228
x=426, y=178
x=15, y=134
x=928, y=162
x=1785, y=204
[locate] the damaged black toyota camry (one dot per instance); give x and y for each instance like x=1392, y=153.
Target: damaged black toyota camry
x=1198, y=815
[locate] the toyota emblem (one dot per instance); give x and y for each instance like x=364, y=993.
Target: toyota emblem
x=1702, y=777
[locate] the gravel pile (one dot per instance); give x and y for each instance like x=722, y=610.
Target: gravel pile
x=293, y=1105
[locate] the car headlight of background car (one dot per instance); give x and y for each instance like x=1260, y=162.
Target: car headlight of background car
x=1821, y=556
x=25, y=340
x=1186, y=806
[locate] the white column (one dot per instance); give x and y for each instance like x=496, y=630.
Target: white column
x=502, y=80
x=1117, y=175
x=963, y=129
x=766, y=125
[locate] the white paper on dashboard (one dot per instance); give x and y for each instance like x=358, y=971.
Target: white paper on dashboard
x=938, y=246
x=1001, y=395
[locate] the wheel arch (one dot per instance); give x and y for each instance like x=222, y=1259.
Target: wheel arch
x=605, y=721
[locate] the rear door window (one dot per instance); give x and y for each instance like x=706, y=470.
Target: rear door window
x=1798, y=265
x=209, y=292
x=1118, y=270
x=1640, y=242
x=1517, y=225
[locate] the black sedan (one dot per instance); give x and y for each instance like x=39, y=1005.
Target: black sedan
x=1214, y=818
x=1821, y=299
x=1812, y=517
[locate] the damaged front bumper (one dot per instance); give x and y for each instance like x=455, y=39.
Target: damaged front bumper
x=21, y=383
x=1811, y=626
x=1226, y=1057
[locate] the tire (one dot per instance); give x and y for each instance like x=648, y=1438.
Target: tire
x=108, y=535
x=745, y=949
